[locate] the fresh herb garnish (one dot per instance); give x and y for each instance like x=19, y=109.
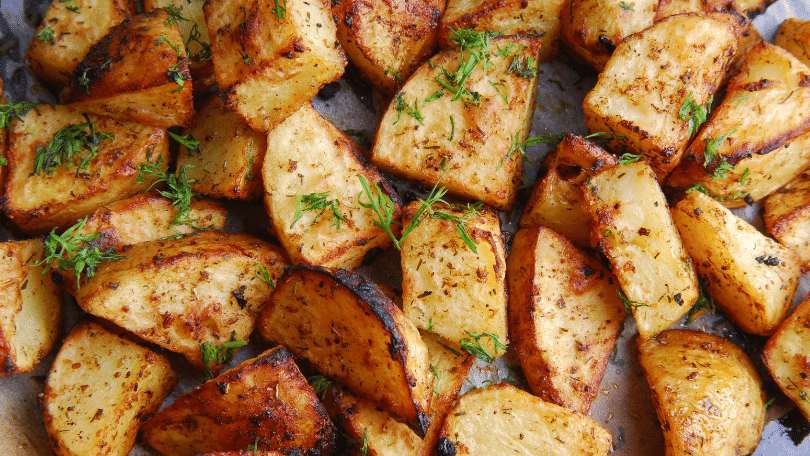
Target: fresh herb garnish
x=178, y=189
x=452, y=128
x=712, y=144
x=187, y=141
x=195, y=37
x=704, y=303
x=217, y=355
x=263, y=274
x=425, y=207
x=626, y=6
x=280, y=8
x=474, y=49
x=84, y=80
x=176, y=72
x=382, y=205
x=3, y=160
x=318, y=202
x=459, y=221
x=364, y=448
x=721, y=170
x=744, y=176
x=629, y=305
x=10, y=110
x=76, y=251
x=393, y=73
x=525, y=67
x=627, y=158
x=46, y=34
x=695, y=114
x=472, y=345
x=500, y=92
x=175, y=15
x=698, y=188
x=71, y=5
x=320, y=384
x=67, y=144
x=402, y=106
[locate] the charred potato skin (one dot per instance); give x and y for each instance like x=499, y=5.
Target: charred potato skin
x=685, y=369
x=264, y=400
x=794, y=36
x=787, y=217
x=785, y=356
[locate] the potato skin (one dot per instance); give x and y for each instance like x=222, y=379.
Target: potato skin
x=794, y=36
x=265, y=400
x=315, y=312
x=750, y=276
x=786, y=358
x=564, y=317
x=787, y=217
x=41, y=202
x=707, y=394
x=100, y=388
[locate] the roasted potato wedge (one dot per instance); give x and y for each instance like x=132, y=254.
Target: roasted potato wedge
x=749, y=275
x=557, y=201
x=227, y=161
x=114, y=80
x=387, y=41
x=593, y=28
x=473, y=149
x=450, y=289
x=540, y=18
x=245, y=453
x=748, y=149
x=635, y=231
x=264, y=401
x=57, y=196
x=68, y=31
x=313, y=199
x=787, y=217
x=787, y=359
x=794, y=36
x=100, y=388
x=502, y=419
x=30, y=307
x=707, y=394
x=564, y=317
x=179, y=293
x=271, y=59
x=316, y=313
x=649, y=80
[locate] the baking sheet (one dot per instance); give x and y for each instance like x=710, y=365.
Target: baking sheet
x=622, y=406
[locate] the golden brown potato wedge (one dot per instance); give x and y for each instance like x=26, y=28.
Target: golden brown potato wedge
x=564, y=317
x=264, y=401
x=557, y=201
x=100, y=388
x=138, y=72
x=58, y=195
x=249, y=452
x=181, y=293
x=748, y=148
x=787, y=359
x=68, y=31
x=751, y=277
x=641, y=95
x=508, y=17
x=272, y=57
x=450, y=289
x=502, y=419
x=787, y=217
x=316, y=314
x=227, y=161
x=707, y=394
x=794, y=36
x=636, y=233
x=473, y=149
x=338, y=232
x=387, y=41
x=30, y=307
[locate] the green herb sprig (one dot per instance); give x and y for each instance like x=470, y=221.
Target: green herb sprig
x=627, y=158
x=474, y=49
x=712, y=146
x=187, y=141
x=694, y=113
x=178, y=189
x=381, y=205
x=46, y=35
x=216, y=355
x=703, y=303
x=320, y=384
x=525, y=67
x=472, y=345
x=320, y=203
x=412, y=110
x=263, y=274
x=67, y=146
x=629, y=305
x=76, y=251
x=11, y=110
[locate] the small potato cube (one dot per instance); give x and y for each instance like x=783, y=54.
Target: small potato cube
x=30, y=307
x=271, y=57
x=636, y=233
x=751, y=277
x=707, y=394
x=68, y=31
x=794, y=36
x=787, y=217
x=264, y=401
x=100, y=388
x=450, y=289
x=788, y=359
x=312, y=193
x=640, y=95
x=138, y=72
x=748, y=148
x=57, y=196
x=564, y=317
x=228, y=160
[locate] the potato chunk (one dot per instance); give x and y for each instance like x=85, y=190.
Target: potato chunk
x=30, y=307
x=649, y=79
x=564, y=317
x=787, y=358
x=313, y=198
x=451, y=290
x=502, y=419
x=41, y=201
x=68, y=31
x=179, y=293
x=114, y=79
x=750, y=276
x=787, y=217
x=748, y=148
x=636, y=233
x=707, y=394
x=228, y=160
x=794, y=36
x=100, y=388
x=473, y=149
x=272, y=57
x=316, y=314
x=264, y=401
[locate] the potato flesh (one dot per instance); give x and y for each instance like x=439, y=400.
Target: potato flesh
x=794, y=36
x=787, y=217
x=202, y=68
x=787, y=359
